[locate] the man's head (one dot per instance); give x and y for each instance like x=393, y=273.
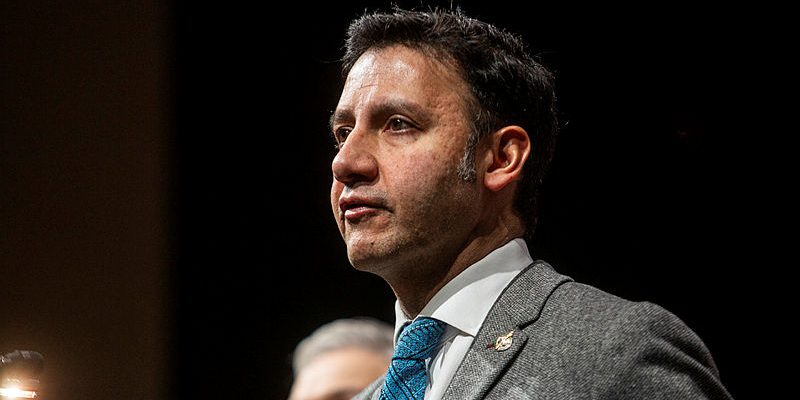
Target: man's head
x=341, y=358
x=435, y=108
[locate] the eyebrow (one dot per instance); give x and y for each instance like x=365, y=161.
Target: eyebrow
x=341, y=116
x=384, y=109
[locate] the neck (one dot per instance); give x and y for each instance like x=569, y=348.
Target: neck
x=414, y=291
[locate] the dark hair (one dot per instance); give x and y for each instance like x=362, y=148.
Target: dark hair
x=509, y=86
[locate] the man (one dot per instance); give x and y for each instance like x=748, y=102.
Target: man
x=340, y=358
x=445, y=128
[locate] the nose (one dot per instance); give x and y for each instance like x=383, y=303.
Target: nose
x=355, y=162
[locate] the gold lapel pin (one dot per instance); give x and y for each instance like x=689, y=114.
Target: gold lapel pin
x=504, y=342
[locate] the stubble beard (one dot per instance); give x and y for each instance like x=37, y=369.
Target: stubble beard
x=419, y=249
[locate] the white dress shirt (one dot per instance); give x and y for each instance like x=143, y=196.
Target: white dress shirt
x=463, y=304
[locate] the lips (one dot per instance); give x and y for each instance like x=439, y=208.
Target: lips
x=355, y=208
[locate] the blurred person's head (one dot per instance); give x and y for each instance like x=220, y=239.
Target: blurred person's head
x=341, y=358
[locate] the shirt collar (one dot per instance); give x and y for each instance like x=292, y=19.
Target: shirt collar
x=465, y=301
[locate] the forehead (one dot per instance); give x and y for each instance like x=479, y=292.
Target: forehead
x=399, y=71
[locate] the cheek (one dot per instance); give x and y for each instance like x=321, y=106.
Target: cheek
x=336, y=191
x=413, y=169
x=420, y=175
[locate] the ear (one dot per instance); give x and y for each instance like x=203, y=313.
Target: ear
x=510, y=147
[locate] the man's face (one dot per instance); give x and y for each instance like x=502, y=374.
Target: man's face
x=402, y=131
x=338, y=374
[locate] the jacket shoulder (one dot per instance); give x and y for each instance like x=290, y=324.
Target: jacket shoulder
x=631, y=349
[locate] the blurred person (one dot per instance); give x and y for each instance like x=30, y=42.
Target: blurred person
x=445, y=128
x=341, y=358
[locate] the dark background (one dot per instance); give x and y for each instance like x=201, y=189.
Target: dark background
x=165, y=229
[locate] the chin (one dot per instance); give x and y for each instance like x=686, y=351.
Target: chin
x=366, y=264
x=383, y=261
x=368, y=261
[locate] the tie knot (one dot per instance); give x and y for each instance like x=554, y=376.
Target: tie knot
x=406, y=378
x=419, y=339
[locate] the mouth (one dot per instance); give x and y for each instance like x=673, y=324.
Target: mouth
x=354, y=209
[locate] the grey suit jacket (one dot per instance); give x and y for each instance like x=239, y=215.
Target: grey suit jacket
x=573, y=341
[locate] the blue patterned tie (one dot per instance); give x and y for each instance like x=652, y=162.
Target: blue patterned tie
x=406, y=377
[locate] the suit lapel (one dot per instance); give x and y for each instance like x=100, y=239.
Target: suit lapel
x=517, y=307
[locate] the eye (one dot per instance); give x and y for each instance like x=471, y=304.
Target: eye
x=340, y=135
x=399, y=124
